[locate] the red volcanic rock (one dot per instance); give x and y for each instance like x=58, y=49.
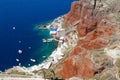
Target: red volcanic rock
x=76, y=51
x=67, y=69
x=78, y=12
x=86, y=26
x=84, y=67
x=73, y=15
x=76, y=66
x=94, y=44
x=94, y=29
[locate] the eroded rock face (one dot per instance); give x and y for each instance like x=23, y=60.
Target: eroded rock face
x=77, y=66
x=73, y=15
x=96, y=32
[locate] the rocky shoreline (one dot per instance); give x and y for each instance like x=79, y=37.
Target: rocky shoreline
x=63, y=45
x=57, y=55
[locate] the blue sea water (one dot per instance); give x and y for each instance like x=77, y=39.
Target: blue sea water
x=24, y=15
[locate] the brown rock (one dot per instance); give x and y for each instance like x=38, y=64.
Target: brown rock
x=95, y=29
x=76, y=66
x=73, y=15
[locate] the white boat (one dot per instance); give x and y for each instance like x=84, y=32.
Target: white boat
x=19, y=41
x=29, y=47
x=19, y=64
x=48, y=40
x=44, y=40
x=43, y=56
x=28, y=64
x=33, y=60
x=20, y=51
x=13, y=28
x=17, y=60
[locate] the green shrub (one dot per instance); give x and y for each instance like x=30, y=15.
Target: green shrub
x=118, y=63
x=64, y=25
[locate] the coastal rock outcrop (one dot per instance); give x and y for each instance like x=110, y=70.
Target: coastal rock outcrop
x=96, y=29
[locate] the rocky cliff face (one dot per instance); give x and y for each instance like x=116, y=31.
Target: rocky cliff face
x=97, y=29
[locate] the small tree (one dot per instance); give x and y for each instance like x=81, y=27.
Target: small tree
x=94, y=6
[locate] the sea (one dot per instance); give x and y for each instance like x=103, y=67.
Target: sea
x=18, y=19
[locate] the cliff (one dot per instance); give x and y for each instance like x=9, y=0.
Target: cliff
x=90, y=44
x=97, y=27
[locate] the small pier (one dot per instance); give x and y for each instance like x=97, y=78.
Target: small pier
x=48, y=40
x=44, y=26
